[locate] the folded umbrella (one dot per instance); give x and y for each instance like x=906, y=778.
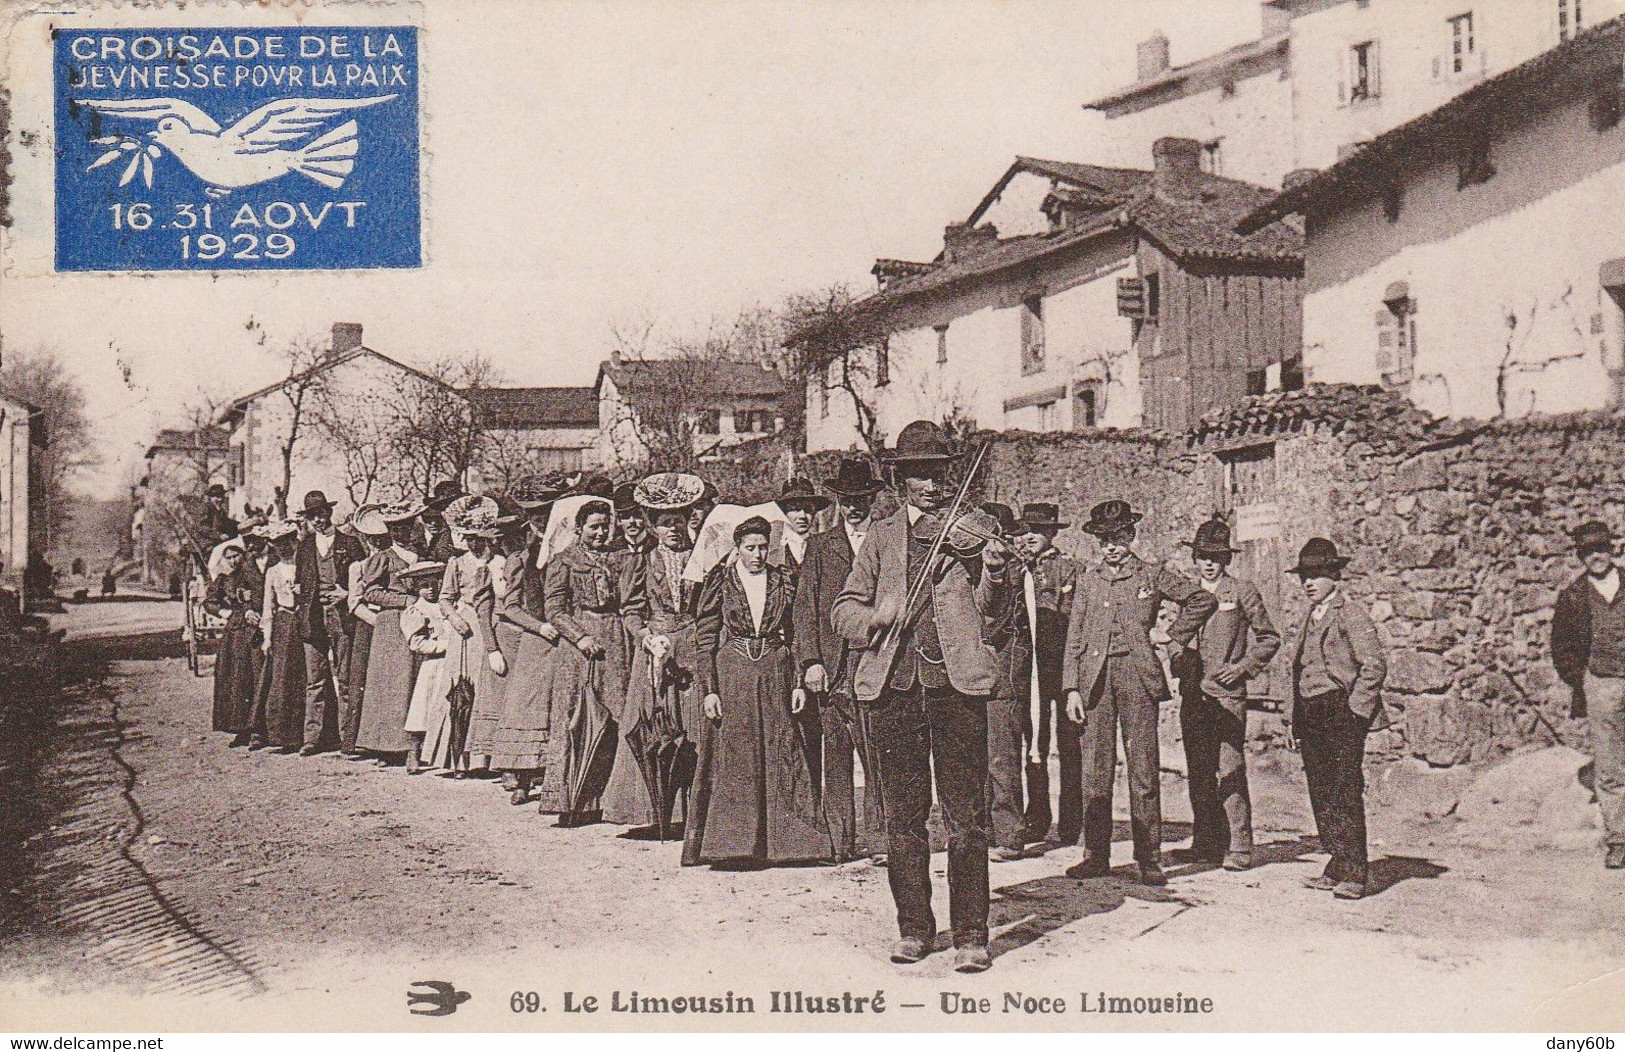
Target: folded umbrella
x=461, y=699
x=589, y=756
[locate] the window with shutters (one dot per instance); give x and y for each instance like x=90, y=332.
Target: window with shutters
x=710, y=422
x=1086, y=405
x=1463, y=43
x=1213, y=157
x=942, y=344
x=1473, y=164
x=883, y=363
x=1153, y=296
x=1396, y=341
x=1570, y=19
x=1364, y=81
x=1032, y=335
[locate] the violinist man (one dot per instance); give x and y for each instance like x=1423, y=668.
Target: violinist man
x=927, y=672
x=1113, y=678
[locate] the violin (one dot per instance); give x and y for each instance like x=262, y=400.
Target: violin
x=967, y=534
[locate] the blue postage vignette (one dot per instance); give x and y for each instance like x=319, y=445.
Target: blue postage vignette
x=290, y=148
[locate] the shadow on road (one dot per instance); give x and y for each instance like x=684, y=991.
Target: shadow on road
x=1026, y=912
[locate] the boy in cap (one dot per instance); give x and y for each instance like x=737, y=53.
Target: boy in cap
x=1337, y=672
x=1588, y=650
x=1113, y=678
x=1233, y=647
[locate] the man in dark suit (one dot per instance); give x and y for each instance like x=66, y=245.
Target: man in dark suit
x=927, y=671
x=1113, y=678
x=437, y=544
x=822, y=656
x=1006, y=714
x=1040, y=654
x=1235, y=646
x=326, y=626
x=1588, y=651
x=1337, y=672
x=631, y=528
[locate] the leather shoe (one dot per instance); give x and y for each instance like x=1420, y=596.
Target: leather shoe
x=910, y=949
x=1151, y=875
x=1005, y=854
x=972, y=959
x=307, y=750
x=1320, y=883
x=1349, y=889
x=1236, y=861
x=1089, y=869
x=1196, y=854
x=1616, y=857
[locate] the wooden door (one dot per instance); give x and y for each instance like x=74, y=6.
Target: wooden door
x=1251, y=503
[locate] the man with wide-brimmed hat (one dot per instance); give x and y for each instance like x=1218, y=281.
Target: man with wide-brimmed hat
x=822, y=657
x=1588, y=650
x=1338, y=669
x=927, y=670
x=1047, y=584
x=1114, y=679
x=437, y=542
x=631, y=526
x=1233, y=647
x=327, y=627
x=801, y=502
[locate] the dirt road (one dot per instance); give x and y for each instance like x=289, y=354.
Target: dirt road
x=269, y=890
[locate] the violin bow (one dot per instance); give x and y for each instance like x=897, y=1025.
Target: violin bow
x=937, y=542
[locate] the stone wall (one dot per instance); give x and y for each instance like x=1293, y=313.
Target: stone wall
x=1458, y=533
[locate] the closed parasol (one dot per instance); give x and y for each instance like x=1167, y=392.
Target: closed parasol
x=461, y=699
x=665, y=756
x=589, y=756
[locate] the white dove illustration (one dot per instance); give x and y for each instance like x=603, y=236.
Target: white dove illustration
x=257, y=148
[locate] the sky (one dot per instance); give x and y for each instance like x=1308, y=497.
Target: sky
x=594, y=164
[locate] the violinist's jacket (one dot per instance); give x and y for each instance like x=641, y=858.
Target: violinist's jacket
x=963, y=599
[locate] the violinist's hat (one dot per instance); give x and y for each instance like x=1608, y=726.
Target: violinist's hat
x=921, y=442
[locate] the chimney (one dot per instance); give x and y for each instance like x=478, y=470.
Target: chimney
x=1178, y=164
x=346, y=338
x=1277, y=18
x=1152, y=56
x=963, y=239
x=1297, y=177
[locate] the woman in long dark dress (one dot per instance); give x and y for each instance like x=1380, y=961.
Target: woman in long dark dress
x=754, y=798
x=523, y=742
x=280, y=715
x=391, y=669
x=374, y=534
x=660, y=611
x=238, y=595
x=588, y=678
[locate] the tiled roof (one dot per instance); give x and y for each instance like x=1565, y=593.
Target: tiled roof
x=727, y=378
x=1562, y=72
x=1201, y=73
x=538, y=407
x=1196, y=223
x=185, y=439
x=1367, y=407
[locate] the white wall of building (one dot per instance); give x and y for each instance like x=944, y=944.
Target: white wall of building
x=1248, y=125
x=1415, y=61
x=14, y=429
x=1085, y=339
x=1510, y=263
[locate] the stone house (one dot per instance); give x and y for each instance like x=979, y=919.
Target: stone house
x=1471, y=258
x=533, y=429
x=22, y=505
x=720, y=403
x=1336, y=72
x=1076, y=297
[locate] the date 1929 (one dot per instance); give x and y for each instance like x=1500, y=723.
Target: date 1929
x=249, y=232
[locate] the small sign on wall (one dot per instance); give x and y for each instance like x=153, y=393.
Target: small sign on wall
x=1258, y=522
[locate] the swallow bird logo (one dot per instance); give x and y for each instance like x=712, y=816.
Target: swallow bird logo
x=440, y=998
x=288, y=135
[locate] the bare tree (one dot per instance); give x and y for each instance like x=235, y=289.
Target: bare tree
x=1513, y=361
x=833, y=339
x=302, y=357
x=436, y=427
x=39, y=378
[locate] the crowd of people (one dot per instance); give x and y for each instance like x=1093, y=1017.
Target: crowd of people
x=648, y=656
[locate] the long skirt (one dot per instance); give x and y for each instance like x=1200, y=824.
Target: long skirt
x=526, y=737
x=280, y=716
x=355, y=685
x=430, y=711
x=631, y=804
x=488, y=689
x=237, y=669
x=489, y=705
x=391, y=672
x=754, y=796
